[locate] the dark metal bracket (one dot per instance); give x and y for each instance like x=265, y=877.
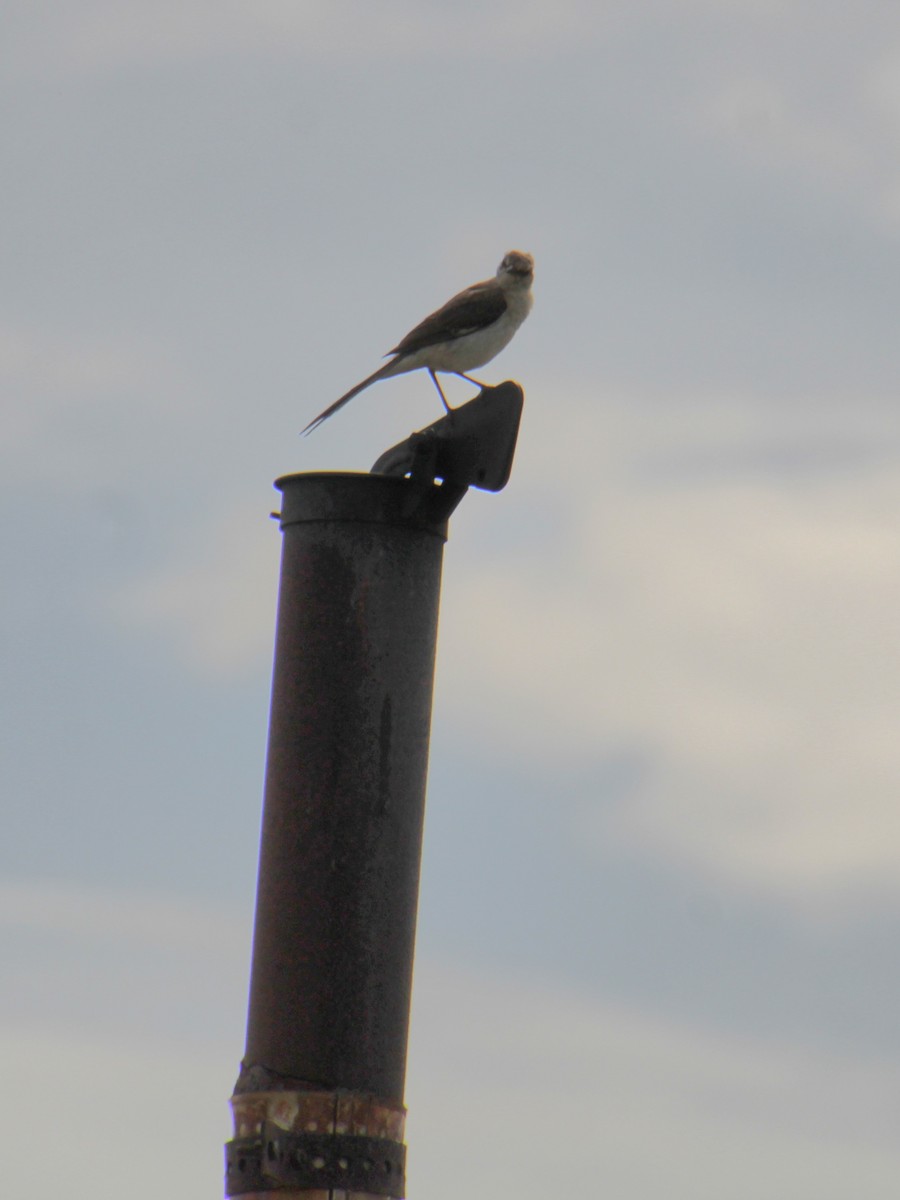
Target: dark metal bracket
x=472, y=446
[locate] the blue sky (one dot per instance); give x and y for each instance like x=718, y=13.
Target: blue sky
x=659, y=897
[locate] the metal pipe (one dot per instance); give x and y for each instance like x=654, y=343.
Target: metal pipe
x=341, y=841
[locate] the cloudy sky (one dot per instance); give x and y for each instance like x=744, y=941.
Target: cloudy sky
x=659, y=913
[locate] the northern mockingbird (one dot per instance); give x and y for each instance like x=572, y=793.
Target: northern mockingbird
x=466, y=333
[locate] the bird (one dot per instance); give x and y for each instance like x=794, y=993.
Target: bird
x=465, y=333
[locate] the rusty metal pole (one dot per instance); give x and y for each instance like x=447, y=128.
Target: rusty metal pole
x=318, y=1107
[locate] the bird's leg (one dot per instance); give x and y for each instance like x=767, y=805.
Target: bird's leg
x=469, y=378
x=440, y=391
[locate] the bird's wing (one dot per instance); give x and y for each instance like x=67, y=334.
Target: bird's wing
x=478, y=307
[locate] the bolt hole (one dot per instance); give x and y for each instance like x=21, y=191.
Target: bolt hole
x=318, y=1162
x=343, y=1164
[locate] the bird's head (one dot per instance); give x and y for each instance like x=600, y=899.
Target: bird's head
x=517, y=268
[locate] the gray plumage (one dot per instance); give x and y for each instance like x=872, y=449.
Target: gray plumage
x=466, y=332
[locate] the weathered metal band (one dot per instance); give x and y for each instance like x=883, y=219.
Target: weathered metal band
x=277, y=1160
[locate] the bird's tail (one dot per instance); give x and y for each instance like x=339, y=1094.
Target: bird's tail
x=384, y=372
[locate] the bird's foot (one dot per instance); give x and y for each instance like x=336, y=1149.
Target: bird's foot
x=469, y=379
